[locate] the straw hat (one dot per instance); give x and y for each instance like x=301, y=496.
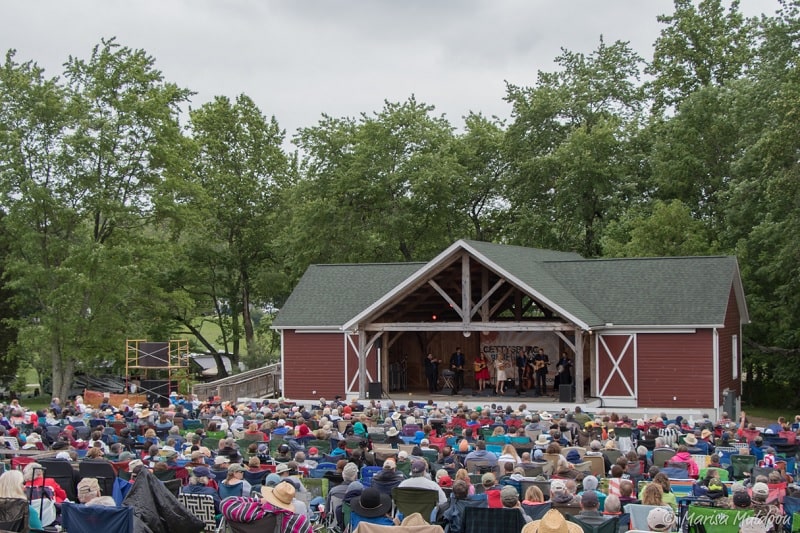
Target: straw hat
x=391, y=432
x=690, y=439
x=542, y=439
x=280, y=496
x=552, y=522
x=706, y=433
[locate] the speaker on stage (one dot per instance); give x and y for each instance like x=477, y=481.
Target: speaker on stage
x=565, y=394
x=375, y=391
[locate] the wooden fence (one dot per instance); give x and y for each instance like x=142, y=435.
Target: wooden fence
x=258, y=383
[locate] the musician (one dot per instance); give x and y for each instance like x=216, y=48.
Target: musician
x=563, y=376
x=457, y=361
x=500, y=365
x=521, y=362
x=528, y=371
x=540, y=362
x=482, y=376
x=432, y=372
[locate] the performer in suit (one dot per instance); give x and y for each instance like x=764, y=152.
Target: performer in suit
x=482, y=376
x=563, y=371
x=457, y=362
x=432, y=372
x=540, y=363
x=521, y=362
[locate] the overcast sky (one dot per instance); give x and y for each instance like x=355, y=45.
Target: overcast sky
x=298, y=59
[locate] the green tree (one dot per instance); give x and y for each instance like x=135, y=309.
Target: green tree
x=240, y=168
x=82, y=162
x=702, y=46
x=567, y=147
x=374, y=189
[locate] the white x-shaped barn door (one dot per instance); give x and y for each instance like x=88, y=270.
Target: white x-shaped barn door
x=615, y=355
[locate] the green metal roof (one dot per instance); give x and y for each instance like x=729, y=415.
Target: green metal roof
x=330, y=295
x=665, y=291
x=669, y=291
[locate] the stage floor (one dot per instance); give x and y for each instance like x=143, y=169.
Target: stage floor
x=549, y=402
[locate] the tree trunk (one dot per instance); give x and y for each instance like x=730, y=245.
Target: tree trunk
x=221, y=371
x=247, y=320
x=63, y=372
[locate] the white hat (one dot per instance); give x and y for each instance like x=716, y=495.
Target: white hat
x=221, y=459
x=544, y=415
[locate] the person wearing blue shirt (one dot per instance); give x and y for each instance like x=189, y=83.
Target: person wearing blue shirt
x=372, y=507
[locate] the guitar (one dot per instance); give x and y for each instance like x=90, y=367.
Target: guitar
x=538, y=365
x=479, y=365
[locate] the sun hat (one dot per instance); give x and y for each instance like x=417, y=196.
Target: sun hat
x=660, y=519
x=372, y=503
x=396, y=415
x=542, y=439
x=690, y=439
x=706, y=433
x=221, y=460
x=280, y=496
x=281, y=468
x=544, y=415
x=552, y=522
x=392, y=432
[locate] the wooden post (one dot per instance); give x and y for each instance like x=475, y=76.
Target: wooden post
x=579, y=366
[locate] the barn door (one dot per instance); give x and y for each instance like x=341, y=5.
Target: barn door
x=616, y=368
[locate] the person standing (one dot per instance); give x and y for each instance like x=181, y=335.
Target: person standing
x=432, y=372
x=540, y=364
x=482, y=376
x=563, y=371
x=520, y=361
x=500, y=365
x=457, y=361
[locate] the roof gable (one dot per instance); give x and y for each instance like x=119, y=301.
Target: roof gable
x=327, y=296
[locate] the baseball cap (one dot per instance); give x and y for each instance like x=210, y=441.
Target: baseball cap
x=760, y=490
x=741, y=499
x=509, y=495
x=418, y=467
x=200, y=471
x=487, y=479
x=389, y=464
x=590, y=499
x=557, y=485
x=236, y=468
x=313, y=451
x=660, y=519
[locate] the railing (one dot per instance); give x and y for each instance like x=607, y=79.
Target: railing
x=257, y=383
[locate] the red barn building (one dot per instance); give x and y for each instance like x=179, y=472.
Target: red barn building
x=642, y=333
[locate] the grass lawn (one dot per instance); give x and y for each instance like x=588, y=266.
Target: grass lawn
x=762, y=416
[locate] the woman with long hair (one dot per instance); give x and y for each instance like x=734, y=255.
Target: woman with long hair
x=463, y=475
x=11, y=487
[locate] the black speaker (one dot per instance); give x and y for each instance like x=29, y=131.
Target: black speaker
x=375, y=391
x=565, y=394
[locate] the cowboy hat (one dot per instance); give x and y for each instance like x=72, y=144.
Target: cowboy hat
x=280, y=496
x=544, y=415
x=690, y=439
x=372, y=503
x=552, y=522
x=542, y=439
x=391, y=432
x=706, y=433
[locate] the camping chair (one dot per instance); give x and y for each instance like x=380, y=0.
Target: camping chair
x=536, y=512
x=479, y=466
x=82, y=519
x=174, y=486
x=724, y=520
x=316, y=486
x=267, y=524
x=608, y=526
x=409, y=500
x=201, y=506
x=324, y=446
x=723, y=474
x=661, y=456
x=612, y=455
x=485, y=520
x=103, y=471
x=257, y=478
x=62, y=473
x=598, y=465
x=14, y=514
x=226, y=491
x=639, y=512
x=367, y=472
x=742, y=464
x=544, y=486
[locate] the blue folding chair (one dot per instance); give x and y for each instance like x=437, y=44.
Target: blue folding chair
x=82, y=519
x=366, y=474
